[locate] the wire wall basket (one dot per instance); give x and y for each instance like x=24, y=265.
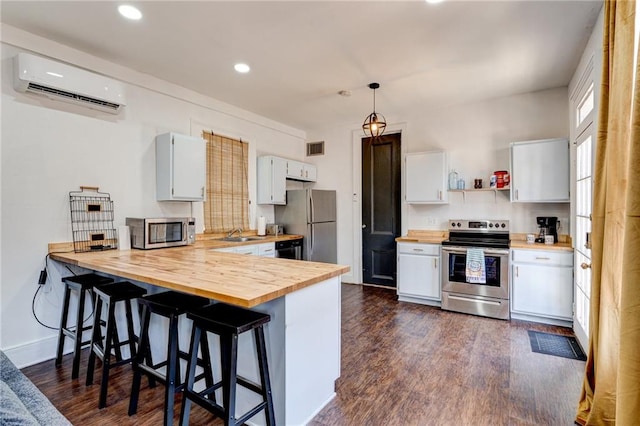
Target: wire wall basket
x=92, y=220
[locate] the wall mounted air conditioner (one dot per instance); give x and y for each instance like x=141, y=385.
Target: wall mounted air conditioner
x=34, y=74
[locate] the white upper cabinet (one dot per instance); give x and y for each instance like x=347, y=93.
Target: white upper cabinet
x=272, y=183
x=540, y=171
x=298, y=170
x=426, y=180
x=180, y=167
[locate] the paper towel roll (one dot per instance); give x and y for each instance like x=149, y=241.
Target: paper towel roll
x=124, y=238
x=262, y=225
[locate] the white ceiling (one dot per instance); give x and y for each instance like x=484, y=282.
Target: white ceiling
x=302, y=53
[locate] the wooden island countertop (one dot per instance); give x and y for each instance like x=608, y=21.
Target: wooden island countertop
x=237, y=279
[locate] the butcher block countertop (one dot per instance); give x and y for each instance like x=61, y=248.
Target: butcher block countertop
x=424, y=236
x=237, y=279
x=519, y=241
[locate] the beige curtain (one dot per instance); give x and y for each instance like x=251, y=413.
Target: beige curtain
x=611, y=388
x=227, y=202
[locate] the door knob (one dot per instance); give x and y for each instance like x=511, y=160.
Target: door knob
x=585, y=265
x=364, y=226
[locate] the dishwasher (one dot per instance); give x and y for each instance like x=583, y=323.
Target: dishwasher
x=289, y=249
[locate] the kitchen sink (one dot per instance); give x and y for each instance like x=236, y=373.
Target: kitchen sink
x=241, y=239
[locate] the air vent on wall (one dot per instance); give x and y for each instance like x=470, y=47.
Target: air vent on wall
x=315, y=148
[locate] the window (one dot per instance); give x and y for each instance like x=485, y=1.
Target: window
x=227, y=202
x=585, y=106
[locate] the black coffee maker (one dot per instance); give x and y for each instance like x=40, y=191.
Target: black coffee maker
x=548, y=225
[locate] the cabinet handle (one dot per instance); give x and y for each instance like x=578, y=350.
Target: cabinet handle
x=435, y=263
x=585, y=265
x=516, y=194
x=542, y=258
x=417, y=249
x=202, y=191
x=440, y=195
x=517, y=272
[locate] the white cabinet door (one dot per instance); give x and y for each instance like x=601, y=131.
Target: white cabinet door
x=295, y=170
x=542, y=284
x=272, y=183
x=310, y=172
x=425, y=177
x=419, y=271
x=180, y=167
x=540, y=171
x=267, y=249
x=250, y=249
x=298, y=170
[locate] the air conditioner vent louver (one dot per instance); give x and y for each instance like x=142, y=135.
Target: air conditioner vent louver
x=36, y=88
x=315, y=148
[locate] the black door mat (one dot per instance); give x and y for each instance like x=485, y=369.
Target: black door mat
x=556, y=344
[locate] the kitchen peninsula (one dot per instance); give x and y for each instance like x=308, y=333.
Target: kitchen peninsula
x=303, y=299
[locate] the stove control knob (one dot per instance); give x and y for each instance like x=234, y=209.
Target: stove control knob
x=453, y=224
x=491, y=225
x=459, y=225
x=503, y=225
x=497, y=225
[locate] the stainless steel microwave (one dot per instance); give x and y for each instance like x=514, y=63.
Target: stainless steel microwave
x=151, y=233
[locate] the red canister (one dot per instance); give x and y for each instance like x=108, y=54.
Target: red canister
x=502, y=178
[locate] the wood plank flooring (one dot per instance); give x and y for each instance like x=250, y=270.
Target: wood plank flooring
x=402, y=364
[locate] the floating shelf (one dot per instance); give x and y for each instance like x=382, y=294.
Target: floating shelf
x=494, y=190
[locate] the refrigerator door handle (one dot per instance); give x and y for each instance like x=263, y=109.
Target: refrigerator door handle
x=310, y=211
x=311, y=242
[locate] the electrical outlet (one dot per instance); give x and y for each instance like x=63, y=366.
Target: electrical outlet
x=431, y=221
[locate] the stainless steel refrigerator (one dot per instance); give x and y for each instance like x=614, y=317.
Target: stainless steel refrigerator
x=312, y=214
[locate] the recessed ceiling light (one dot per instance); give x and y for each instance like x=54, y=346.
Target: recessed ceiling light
x=242, y=68
x=434, y=1
x=129, y=12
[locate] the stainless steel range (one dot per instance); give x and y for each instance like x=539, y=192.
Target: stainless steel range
x=475, y=268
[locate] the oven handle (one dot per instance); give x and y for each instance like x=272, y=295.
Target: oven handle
x=468, y=299
x=463, y=250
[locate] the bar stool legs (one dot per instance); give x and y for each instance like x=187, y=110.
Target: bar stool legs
x=110, y=294
x=228, y=322
x=83, y=284
x=171, y=305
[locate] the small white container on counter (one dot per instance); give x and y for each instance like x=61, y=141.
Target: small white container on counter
x=548, y=239
x=531, y=238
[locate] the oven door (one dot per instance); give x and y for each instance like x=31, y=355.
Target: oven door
x=454, y=280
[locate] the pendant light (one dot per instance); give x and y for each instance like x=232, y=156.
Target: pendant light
x=375, y=122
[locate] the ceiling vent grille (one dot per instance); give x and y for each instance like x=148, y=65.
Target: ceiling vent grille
x=315, y=148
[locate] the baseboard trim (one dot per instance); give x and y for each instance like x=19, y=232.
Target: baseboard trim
x=34, y=352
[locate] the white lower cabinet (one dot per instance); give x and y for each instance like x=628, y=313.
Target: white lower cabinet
x=263, y=249
x=419, y=273
x=267, y=249
x=542, y=286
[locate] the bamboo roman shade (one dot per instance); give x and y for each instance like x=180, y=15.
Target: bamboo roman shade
x=227, y=203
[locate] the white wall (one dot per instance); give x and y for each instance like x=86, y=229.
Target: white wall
x=477, y=137
x=50, y=148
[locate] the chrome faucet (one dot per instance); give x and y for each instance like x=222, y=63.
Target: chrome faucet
x=233, y=231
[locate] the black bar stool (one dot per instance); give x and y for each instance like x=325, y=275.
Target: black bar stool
x=110, y=295
x=82, y=284
x=171, y=305
x=228, y=322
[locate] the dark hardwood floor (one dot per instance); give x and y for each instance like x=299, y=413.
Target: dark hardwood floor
x=402, y=364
